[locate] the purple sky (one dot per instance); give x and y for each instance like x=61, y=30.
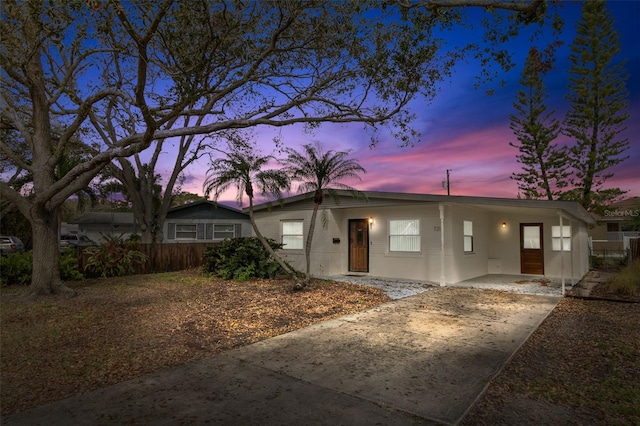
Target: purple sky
x=466, y=130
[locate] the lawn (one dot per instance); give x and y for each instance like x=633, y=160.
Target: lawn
x=581, y=366
x=120, y=328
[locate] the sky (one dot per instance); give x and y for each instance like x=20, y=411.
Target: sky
x=466, y=131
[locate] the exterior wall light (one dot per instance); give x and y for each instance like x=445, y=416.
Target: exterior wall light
x=370, y=222
x=504, y=224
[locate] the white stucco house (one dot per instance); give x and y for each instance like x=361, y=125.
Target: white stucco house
x=443, y=239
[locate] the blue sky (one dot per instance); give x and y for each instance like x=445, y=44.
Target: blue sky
x=466, y=130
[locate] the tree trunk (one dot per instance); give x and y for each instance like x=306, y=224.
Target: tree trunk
x=291, y=273
x=45, y=278
x=307, y=247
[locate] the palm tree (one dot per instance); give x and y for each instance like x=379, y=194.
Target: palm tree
x=320, y=172
x=243, y=168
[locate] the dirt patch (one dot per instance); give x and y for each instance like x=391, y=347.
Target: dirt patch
x=542, y=281
x=117, y=329
x=581, y=366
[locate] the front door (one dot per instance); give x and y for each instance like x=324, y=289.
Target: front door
x=531, y=249
x=359, y=245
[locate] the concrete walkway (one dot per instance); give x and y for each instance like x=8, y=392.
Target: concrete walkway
x=420, y=360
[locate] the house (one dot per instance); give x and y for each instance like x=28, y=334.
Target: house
x=205, y=221
x=613, y=230
x=200, y=221
x=443, y=239
x=98, y=225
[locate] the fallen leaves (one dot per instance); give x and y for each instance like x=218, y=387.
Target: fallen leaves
x=120, y=328
x=581, y=366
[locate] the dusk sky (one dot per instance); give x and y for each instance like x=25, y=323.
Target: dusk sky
x=465, y=130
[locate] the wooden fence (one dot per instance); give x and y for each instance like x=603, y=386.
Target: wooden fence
x=634, y=246
x=163, y=257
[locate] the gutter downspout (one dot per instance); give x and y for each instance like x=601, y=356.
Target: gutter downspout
x=442, y=274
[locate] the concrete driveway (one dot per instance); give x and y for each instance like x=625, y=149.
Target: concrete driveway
x=420, y=360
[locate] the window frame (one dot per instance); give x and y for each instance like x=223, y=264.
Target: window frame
x=298, y=236
x=195, y=231
x=232, y=232
x=392, y=247
x=467, y=236
x=557, y=242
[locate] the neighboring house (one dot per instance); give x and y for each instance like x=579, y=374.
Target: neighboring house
x=204, y=221
x=612, y=231
x=443, y=239
x=98, y=225
x=67, y=228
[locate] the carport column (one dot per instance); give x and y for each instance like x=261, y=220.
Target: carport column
x=562, y=252
x=442, y=276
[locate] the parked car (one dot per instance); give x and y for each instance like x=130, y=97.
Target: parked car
x=75, y=241
x=10, y=244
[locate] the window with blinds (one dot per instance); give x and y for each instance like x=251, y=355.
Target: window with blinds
x=467, y=226
x=292, y=237
x=404, y=235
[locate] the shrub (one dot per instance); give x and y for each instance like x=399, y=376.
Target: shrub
x=16, y=268
x=627, y=281
x=241, y=259
x=69, y=265
x=113, y=259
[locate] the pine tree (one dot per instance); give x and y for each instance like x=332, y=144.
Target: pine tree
x=544, y=163
x=598, y=107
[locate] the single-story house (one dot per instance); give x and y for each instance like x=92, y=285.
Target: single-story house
x=438, y=238
x=614, y=229
x=200, y=221
x=96, y=225
x=204, y=221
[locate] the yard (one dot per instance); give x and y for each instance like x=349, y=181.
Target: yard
x=120, y=328
x=581, y=366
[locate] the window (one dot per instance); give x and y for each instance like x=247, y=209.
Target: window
x=468, y=236
x=223, y=231
x=404, y=235
x=186, y=232
x=531, y=237
x=292, y=235
x=565, y=238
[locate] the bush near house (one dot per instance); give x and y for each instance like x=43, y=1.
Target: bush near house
x=114, y=258
x=241, y=259
x=16, y=268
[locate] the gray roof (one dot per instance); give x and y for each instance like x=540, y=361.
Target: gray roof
x=205, y=209
x=377, y=198
x=105, y=218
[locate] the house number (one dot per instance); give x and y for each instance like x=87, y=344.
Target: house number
x=436, y=228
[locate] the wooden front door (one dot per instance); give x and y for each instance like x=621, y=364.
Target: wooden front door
x=531, y=249
x=359, y=245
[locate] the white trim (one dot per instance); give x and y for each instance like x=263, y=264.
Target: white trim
x=561, y=250
x=443, y=281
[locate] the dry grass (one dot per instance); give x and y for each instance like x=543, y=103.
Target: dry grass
x=119, y=328
x=580, y=367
